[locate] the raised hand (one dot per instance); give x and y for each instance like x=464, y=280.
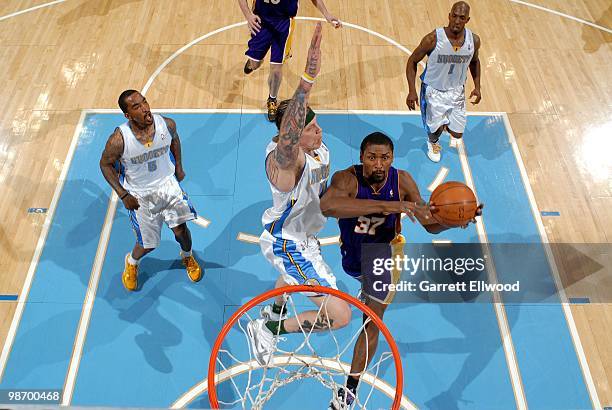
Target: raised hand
x=313, y=62
x=333, y=20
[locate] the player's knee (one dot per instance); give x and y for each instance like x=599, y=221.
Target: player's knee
x=372, y=330
x=342, y=314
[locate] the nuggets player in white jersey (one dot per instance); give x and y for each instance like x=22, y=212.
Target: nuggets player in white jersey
x=147, y=150
x=451, y=50
x=297, y=167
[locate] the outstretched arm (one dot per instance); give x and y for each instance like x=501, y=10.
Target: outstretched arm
x=410, y=192
x=175, y=149
x=475, y=71
x=328, y=16
x=282, y=164
x=339, y=200
x=428, y=43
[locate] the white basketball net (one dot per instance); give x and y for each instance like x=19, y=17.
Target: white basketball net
x=287, y=366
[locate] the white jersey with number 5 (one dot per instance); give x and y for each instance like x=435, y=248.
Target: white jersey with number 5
x=143, y=168
x=296, y=215
x=446, y=67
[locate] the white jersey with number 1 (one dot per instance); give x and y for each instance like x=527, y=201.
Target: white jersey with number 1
x=447, y=67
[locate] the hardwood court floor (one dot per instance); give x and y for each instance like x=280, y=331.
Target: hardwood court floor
x=548, y=72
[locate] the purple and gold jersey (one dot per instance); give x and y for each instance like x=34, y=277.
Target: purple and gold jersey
x=274, y=10
x=374, y=228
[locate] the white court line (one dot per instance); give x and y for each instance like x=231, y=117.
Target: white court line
x=440, y=176
x=555, y=272
x=297, y=360
x=579, y=20
x=23, y=295
x=182, y=49
x=90, y=297
x=498, y=306
x=331, y=240
x=248, y=238
x=40, y=6
x=200, y=221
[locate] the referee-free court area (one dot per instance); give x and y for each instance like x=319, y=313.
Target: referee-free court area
x=81, y=332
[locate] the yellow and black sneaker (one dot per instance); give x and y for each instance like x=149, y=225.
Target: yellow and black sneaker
x=272, y=105
x=130, y=275
x=193, y=268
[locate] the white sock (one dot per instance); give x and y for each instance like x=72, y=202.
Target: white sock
x=270, y=96
x=185, y=254
x=131, y=260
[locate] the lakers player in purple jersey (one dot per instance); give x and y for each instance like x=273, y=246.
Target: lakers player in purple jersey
x=368, y=200
x=271, y=24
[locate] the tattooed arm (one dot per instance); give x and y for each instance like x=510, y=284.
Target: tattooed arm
x=285, y=164
x=111, y=154
x=175, y=149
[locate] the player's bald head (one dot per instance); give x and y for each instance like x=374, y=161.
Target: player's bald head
x=461, y=6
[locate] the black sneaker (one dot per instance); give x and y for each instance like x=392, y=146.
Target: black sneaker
x=272, y=108
x=247, y=69
x=343, y=400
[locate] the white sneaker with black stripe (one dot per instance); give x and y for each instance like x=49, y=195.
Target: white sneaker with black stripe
x=262, y=341
x=266, y=312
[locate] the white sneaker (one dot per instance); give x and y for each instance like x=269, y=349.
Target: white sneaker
x=433, y=151
x=266, y=312
x=263, y=342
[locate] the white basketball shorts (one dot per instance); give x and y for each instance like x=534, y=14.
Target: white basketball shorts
x=440, y=108
x=299, y=263
x=167, y=203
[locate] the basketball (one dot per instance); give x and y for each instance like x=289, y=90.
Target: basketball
x=455, y=202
